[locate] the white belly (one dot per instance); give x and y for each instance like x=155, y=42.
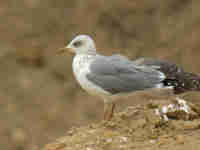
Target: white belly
x=81, y=69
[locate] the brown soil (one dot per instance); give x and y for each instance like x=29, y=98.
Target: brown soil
x=137, y=128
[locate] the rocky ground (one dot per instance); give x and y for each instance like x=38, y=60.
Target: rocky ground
x=141, y=128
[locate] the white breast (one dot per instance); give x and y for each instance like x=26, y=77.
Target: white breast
x=81, y=69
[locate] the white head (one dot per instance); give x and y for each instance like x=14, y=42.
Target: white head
x=82, y=44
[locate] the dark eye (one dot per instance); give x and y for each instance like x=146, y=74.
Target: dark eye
x=77, y=43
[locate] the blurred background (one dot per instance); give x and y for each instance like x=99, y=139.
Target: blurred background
x=39, y=97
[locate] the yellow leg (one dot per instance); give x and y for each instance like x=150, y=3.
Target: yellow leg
x=108, y=111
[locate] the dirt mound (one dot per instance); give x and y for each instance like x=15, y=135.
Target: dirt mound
x=140, y=127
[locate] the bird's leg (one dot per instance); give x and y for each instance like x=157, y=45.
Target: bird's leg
x=108, y=111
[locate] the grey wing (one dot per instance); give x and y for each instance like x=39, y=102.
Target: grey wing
x=121, y=75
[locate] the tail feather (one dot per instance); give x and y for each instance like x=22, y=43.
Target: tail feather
x=185, y=82
x=176, y=77
x=181, y=81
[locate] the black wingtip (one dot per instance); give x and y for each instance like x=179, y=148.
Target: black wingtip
x=184, y=82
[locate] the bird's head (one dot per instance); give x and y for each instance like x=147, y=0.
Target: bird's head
x=81, y=44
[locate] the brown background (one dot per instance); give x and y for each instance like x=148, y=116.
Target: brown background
x=39, y=97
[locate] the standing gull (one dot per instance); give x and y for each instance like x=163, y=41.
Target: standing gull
x=111, y=77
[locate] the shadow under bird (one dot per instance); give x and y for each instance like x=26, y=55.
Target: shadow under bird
x=112, y=77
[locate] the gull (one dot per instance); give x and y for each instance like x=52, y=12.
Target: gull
x=112, y=77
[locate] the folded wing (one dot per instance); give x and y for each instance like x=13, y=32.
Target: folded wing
x=117, y=74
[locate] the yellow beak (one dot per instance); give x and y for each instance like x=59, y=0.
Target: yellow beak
x=63, y=50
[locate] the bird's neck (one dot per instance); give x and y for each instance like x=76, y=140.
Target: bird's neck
x=81, y=63
x=82, y=59
x=85, y=56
